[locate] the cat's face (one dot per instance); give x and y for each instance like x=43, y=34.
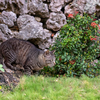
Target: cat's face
x=49, y=58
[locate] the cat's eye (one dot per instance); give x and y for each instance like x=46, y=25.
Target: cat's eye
x=48, y=61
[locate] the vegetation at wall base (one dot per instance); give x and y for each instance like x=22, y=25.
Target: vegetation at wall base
x=77, y=47
x=1, y=68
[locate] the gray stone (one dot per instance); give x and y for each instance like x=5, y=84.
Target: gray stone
x=25, y=20
x=88, y=6
x=56, y=21
x=8, y=18
x=17, y=6
x=67, y=1
x=30, y=29
x=38, y=19
x=3, y=4
x=68, y=10
x=5, y=32
x=47, y=41
x=56, y=5
x=55, y=37
x=38, y=8
x=47, y=1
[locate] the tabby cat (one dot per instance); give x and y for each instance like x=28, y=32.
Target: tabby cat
x=25, y=54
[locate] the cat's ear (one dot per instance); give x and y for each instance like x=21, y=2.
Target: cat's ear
x=46, y=52
x=53, y=51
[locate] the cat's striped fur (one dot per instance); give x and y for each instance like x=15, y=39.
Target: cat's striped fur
x=25, y=54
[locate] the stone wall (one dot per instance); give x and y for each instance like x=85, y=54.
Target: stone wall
x=37, y=20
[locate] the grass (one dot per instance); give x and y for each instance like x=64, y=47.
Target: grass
x=51, y=88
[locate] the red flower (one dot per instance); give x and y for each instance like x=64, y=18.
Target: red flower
x=93, y=24
x=72, y=62
x=94, y=19
x=93, y=38
x=70, y=16
x=52, y=35
x=60, y=59
x=88, y=28
x=63, y=75
x=90, y=36
x=76, y=12
x=85, y=32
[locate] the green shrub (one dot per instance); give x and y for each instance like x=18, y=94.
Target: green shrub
x=76, y=47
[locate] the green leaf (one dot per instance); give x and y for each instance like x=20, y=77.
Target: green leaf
x=1, y=68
